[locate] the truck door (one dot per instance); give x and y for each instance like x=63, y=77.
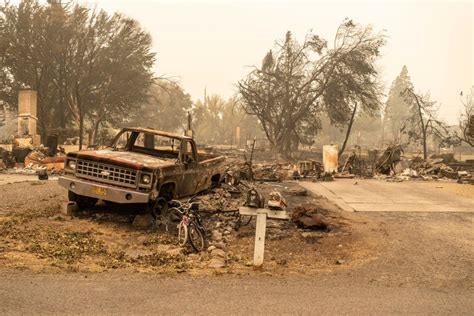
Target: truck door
x=190, y=168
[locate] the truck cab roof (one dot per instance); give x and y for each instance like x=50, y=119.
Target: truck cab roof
x=155, y=132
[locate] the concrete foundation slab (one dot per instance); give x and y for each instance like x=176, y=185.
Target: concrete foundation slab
x=370, y=195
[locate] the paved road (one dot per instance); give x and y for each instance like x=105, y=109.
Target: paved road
x=27, y=293
x=382, y=196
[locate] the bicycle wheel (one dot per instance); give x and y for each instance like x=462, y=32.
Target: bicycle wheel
x=196, y=237
x=182, y=234
x=244, y=220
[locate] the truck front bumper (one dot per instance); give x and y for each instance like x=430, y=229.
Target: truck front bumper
x=102, y=191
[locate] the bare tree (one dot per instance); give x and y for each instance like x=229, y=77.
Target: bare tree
x=423, y=120
x=466, y=120
x=296, y=82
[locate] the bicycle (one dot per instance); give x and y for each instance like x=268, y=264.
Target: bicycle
x=190, y=228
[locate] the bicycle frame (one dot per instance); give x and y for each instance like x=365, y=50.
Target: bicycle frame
x=184, y=220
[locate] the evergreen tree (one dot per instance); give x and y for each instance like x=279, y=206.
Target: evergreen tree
x=397, y=111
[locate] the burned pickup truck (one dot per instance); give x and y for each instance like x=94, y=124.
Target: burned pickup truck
x=141, y=166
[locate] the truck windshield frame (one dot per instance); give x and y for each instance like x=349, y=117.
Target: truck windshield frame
x=162, y=146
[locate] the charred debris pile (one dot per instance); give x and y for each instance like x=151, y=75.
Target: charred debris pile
x=390, y=165
x=39, y=160
x=393, y=165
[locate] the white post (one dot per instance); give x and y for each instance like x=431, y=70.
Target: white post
x=260, y=231
x=260, y=228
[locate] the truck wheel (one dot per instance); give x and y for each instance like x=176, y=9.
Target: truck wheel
x=81, y=201
x=160, y=212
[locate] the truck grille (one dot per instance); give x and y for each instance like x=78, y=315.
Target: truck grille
x=106, y=173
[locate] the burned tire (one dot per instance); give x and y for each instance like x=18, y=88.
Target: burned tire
x=160, y=212
x=82, y=201
x=215, y=181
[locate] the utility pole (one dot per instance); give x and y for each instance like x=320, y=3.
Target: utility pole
x=383, y=129
x=189, y=130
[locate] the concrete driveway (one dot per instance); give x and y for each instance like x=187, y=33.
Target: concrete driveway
x=370, y=195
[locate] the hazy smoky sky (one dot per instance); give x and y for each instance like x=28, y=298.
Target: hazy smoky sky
x=212, y=43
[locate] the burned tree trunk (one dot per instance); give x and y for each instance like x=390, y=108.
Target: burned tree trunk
x=421, y=107
x=81, y=131
x=94, y=131
x=349, y=128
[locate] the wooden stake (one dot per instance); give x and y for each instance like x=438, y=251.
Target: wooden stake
x=260, y=231
x=261, y=227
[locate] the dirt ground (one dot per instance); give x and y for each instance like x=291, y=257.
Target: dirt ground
x=428, y=249
x=35, y=234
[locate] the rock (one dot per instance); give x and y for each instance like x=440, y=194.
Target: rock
x=311, y=237
x=220, y=245
x=340, y=261
x=216, y=235
x=193, y=257
x=308, y=216
x=218, y=253
x=297, y=192
x=228, y=228
x=216, y=263
x=211, y=248
x=249, y=263
x=70, y=208
x=226, y=232
x=218, y=224
x=145, y=220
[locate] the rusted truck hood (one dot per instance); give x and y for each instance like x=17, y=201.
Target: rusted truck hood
x=124, y=158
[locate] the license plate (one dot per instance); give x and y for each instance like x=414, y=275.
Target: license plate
x=99, y=190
